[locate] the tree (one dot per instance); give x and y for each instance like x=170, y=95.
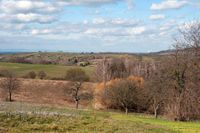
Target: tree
x=185, y=74
x=32, y=75
x=109, y=69
x=122, y=94
x=182, y=76
x=77, y=76
x=117, y=69
x=157, y=90
x=10, y=84
x=42, y=74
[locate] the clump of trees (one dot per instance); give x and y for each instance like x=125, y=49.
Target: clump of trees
x=184, y=75
x=172, y=86
x=123, y=94
x=77, y=76
x=109, y=69
x=9, y=84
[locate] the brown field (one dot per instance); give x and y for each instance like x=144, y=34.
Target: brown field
x=47, y=92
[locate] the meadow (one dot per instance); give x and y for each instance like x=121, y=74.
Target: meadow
x=21, y=117
x=53, y=71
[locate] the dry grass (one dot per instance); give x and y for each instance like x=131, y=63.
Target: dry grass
x=48, y=92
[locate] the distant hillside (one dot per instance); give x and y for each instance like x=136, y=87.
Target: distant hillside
x=69, y=59
x=165, y=52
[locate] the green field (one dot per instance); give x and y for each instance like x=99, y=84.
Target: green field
x=52, y=71
x=23, y=118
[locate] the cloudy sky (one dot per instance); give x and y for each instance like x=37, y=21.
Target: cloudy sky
x=93, y=25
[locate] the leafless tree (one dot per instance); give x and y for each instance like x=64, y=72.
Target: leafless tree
x=110, y=68
x=10, y=83
x=77, y=76
x=156, y=90
x=183, y=76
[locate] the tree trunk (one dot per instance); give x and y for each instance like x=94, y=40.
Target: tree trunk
x=10, y=96
x=77, y=102
x=126, y=110
x=155, y=113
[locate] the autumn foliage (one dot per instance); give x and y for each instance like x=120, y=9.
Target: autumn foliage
x=99, y=97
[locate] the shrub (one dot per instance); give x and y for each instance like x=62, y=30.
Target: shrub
x=31, y=75
x=76, y=74
x=42, y=74
x=4, y=73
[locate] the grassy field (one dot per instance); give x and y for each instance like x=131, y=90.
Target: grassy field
x=51, y=70
x=22, y=118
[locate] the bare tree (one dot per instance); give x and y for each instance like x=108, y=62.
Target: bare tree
x=110, y=68
x=117, y=69
x=157, y=90
x=9, y=84
x=77, y=76
x=182, y=76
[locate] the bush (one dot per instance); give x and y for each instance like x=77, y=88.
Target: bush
x=83, y=64
x=4, y=73
x=31, y=75
x=76, y=74
x=42, y=74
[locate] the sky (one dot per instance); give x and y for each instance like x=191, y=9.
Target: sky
x=93, y=25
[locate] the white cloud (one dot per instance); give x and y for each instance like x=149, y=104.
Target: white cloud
x=125, y=22
x=116, y=31
x=27, y=18
x=157, y=17
x=93, y=3
x=116, y=21
x=99, y=21
x=136, y=30
x=87, y=2
x=27, y=11
x=27, y=6
x=34, y=18
x=168, y=4
x=12, y=27
x=168, y=25
x=39, y=32
x=100, y=28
